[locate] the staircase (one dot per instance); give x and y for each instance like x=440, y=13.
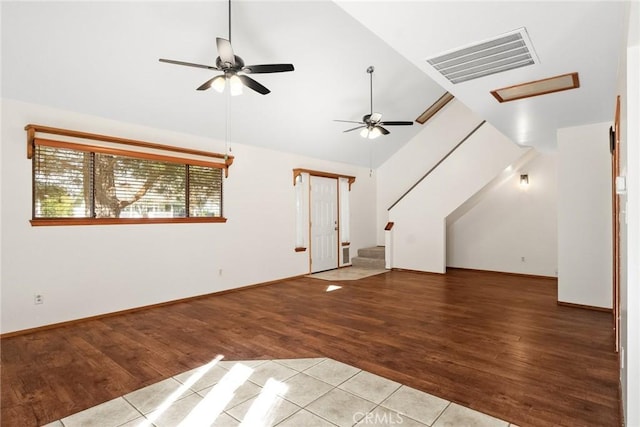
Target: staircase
x=372, y=258
x=419, y=234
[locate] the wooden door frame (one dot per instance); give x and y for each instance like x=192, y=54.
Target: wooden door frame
x=337, y=179
x=615, y=197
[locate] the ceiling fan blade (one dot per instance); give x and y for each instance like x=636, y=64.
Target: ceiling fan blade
x=396, y=123
x=225, y=51
x=268, y=68
x=188, y=64
x=383, y=130
x=355, y=128
x=206, y=85
x=348, y=121
x=252, y=84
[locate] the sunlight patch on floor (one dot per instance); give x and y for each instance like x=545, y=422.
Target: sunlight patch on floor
x=347, y=273
x=173, y=397
x=262, y=412
x=209, y=409
x=284, y=393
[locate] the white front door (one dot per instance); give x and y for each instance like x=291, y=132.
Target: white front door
x=324, y=223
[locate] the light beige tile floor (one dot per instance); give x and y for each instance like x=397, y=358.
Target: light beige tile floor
x=285, y=393
x=347, y=273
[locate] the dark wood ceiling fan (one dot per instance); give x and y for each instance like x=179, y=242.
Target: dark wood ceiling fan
x=233, y=68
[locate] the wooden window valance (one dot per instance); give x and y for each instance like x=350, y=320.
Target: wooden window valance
x=299, y=171
x=152, y=150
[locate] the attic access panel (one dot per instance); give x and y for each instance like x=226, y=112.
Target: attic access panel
x=505, y=52
x=537, y=87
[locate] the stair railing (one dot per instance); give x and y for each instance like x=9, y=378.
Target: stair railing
x=437, y=164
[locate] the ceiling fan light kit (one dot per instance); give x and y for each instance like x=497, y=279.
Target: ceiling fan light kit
x=233, y=68
x=235, y=85
x=219, y=83
x=370, y=133
x=371, y=125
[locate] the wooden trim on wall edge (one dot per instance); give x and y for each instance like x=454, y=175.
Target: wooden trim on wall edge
x=408, y=270
x=531, y=276
x=585, y=307
x=142, y=308
x=620, y=404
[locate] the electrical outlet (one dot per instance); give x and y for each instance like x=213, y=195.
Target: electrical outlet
x=522, y=259
x=38, y=299
x=220, y=272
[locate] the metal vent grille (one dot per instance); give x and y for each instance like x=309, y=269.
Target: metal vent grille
x=507, y=52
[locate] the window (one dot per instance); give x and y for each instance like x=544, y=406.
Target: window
x=78, y=184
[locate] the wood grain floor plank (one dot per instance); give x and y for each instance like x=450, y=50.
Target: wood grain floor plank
x=497, y=343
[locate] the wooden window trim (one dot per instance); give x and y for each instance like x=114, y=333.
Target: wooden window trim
x=33, y=140
x=37, y=222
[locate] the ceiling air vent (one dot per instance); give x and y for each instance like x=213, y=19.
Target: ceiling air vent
x=509, y=51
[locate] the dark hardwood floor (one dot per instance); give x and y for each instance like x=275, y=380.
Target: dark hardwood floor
x=494, y=342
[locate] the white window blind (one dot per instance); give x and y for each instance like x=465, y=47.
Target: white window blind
x=80, y=183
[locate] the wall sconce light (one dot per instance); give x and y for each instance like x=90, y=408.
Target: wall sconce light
x=524, y=180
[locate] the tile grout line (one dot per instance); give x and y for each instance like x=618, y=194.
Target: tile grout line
x=440, y=414
x=134, y=407
x=380, y=405
x=296, y=372
x=377, y=404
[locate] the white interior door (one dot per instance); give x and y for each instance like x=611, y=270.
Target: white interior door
x=324, y=223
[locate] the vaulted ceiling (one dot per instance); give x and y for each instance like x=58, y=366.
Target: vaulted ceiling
x=101, y=58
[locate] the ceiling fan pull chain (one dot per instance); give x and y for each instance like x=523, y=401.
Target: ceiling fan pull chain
x=370, y=159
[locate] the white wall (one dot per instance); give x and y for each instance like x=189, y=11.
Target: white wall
x=419, y=233
x=89, y=270
x=631, y=304
x=629, y=89
x=439, y=135
x=509, y=223
x=584, y=216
